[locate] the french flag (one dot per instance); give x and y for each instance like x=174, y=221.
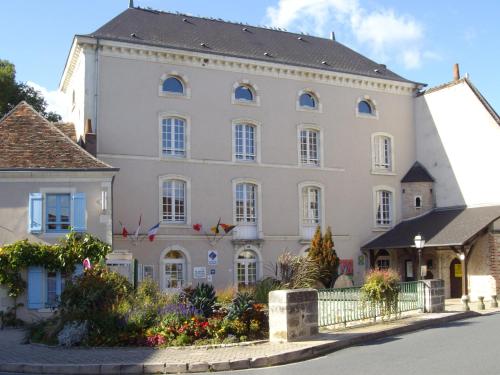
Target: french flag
x=152, y=232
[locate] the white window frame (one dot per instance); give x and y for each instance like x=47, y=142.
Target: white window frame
x=258, y=222
x=181, y=77
x=373, y=104
x=187, y=267
x=392, y=210
x=255, y=91
x=377, y=152
x=257, y=139
x=303, y=227
x=314, y=93
x=57, y=190
x=259, y=263
x=187, y=201
x=187, y=135
x=316, y=128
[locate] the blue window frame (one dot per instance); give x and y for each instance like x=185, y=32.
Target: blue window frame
x=307, y=100
x=174, y=137
x=58, y=212
x=173, y=85
x=243, y=93
x=365, y=107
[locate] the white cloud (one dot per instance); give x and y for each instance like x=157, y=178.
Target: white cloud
x=55, y=99
x=387, y=35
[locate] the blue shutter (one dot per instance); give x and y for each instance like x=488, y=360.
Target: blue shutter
x=35, y=213
x=78, y=270
x=35, y=288
x=79, y=222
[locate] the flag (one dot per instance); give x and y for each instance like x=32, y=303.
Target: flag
x=136, y=234
x=197, y=227
x=152, y=232
x=86, y=264
x=124, y=230
x=227, y=228
x=215, y=230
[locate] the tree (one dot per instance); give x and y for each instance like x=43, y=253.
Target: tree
x=12, y=92
x=323, y=252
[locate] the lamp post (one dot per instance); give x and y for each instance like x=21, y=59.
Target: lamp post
x=465, y=294
x=419, y=244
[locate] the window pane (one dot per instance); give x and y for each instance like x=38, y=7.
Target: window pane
x=58, y=213
x=243, y=93
x=244, y=142
x=307, y=100
x=173, y=201
x=174, y=85
x=245, y=197
x=51, y=288
x=384, y=207
x=364, y=107
x=173, y=137
x=311, y=205
x=382, y=152
x=309, y=147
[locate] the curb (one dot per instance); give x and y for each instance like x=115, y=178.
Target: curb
x=240, y=364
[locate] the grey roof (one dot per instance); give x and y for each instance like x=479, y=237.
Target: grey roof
x=417, y=173
x=440, y=227
x=178, y=31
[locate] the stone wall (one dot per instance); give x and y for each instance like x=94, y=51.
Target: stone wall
x=293, y=314
x=494, y=258
x=413, y=189
x=434, y=295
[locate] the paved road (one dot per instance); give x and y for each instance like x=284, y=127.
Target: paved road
x=469, y=347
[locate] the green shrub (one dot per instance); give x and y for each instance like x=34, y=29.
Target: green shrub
x=323, y=253
x=381, y=288
x=241, y=303
x=203, y=299
x=263, y=287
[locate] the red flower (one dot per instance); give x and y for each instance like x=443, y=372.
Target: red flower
x=197, y=227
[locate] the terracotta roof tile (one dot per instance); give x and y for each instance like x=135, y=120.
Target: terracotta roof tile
x=68, y=128
x=29, y=141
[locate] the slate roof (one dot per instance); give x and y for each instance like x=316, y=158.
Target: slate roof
x=417, y=173
x=178, y=31
x=30, y=142
x=440, y=227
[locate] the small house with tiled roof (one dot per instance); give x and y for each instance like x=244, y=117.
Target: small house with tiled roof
x=48, y=185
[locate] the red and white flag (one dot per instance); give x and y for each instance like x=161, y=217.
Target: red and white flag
x=152, y=232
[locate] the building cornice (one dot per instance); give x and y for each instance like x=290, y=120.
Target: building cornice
x=56, y=175
x=220, y=62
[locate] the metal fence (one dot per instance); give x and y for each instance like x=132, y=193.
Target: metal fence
x=343, y=305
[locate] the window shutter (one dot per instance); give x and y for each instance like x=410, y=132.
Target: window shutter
x=35, y=288
x=35, y=213
x=78, y=270
x=79, y=222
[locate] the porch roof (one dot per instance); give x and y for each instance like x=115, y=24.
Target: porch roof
x=449, y=226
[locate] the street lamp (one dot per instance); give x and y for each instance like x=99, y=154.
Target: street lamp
x=419, y=244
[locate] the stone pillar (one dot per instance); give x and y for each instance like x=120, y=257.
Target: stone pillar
x=433, y=295
x=293, y=314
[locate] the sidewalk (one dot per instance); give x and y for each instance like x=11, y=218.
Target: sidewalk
x=16, y=357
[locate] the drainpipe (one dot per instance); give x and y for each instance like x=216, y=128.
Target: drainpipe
x=96, y=87
x=112, y=212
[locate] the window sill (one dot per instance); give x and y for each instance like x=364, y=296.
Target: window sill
x=382, y=172
x=310, y=165
x=310, y=110
x=245, y=103
x=173, y=158
x=175, y=225
x=366, y=116
x=381, y=229
x=174, y=96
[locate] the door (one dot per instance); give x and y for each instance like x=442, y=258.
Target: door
x=409, y=270
x=455, y=279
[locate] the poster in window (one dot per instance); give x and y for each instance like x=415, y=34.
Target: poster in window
x=458, y=270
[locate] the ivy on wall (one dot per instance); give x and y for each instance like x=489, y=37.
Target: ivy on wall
x=63, y=256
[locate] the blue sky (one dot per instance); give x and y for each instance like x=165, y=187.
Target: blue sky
x=420, y=40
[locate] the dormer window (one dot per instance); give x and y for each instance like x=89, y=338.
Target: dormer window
x=173, y=85
x=244, y=93
x=308, y=100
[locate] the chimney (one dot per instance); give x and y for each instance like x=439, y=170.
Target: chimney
x=456, y=72
x=131, y=3
x=333, y=35
x=90, y=139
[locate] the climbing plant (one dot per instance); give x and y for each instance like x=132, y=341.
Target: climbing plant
x=63, y=256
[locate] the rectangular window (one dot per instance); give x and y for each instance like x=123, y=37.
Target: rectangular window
x=174, y=201
x=382, y=153
x=58, y=215
x=244, y=139
x=309, y=147
x=384, y=208
x=174, y=137
x=52, y=296
x=246, y=203
x=311, y=205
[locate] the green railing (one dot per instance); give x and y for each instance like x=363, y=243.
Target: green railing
x=343, y=305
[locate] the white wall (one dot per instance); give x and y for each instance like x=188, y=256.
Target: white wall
x=458, y=142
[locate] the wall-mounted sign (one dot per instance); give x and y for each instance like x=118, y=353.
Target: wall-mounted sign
x=361, y=260
x=458, y=270
x=212, y=257
x=212, y=271
x=346, y=267
x=199, y=272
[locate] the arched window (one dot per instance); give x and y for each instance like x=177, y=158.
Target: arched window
x=365, y=107
x=308, y=100
x=246, y=268
x=173, y=131
x=173, y=85
x=174, y=201
x=244, y=93
x=174, y=264
x=418, y=201
x=384, y=208
x=245, y=142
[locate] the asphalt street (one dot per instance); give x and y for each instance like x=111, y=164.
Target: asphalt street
x=470, y=346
